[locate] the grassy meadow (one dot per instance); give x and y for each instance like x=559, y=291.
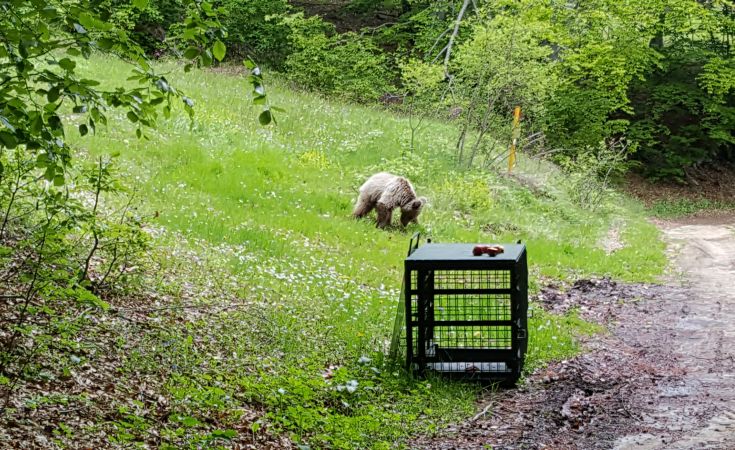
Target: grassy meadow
x=275, y=308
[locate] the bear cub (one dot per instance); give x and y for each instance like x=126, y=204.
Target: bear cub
x=385, y=192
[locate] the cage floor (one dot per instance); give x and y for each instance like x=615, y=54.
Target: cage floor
x=469, y=367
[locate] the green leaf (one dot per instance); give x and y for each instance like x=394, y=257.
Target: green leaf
x=105, y=43
x=206, y=58
x=163, y=85
x=189, y=421
x=219, y=50
x=42, y=160
x=36, y=124
x=53, y=94
x=67, y=64
x=83, y=130
x=8, y=140
x=249, y=64
x=265, y=117
x=132, y=116
x=191, y=53
x=259, y=100
x=49, y=12
x=86, y=20
x=51, y=107
x=223, y=434
x=54, y=122
x=58, y=179
x=140, y=4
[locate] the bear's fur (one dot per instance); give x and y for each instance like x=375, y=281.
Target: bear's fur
x=384, y=192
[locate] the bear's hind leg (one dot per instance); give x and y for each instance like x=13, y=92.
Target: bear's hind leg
x=362, y=208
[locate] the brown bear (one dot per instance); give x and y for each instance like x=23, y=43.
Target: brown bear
x=385, y=192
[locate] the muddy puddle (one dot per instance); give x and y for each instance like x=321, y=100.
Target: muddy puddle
x=662, y=378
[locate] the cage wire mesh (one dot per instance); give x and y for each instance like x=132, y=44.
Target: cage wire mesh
x=466, y=321
x=398, y=340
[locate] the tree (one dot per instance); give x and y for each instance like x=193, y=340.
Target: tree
x=40, y=43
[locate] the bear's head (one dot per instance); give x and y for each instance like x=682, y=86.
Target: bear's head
x=410, y=211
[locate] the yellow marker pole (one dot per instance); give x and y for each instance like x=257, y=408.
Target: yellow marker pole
x=516, y=134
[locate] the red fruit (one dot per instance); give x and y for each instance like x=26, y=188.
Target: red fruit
x=478, y=250
x=495, y=250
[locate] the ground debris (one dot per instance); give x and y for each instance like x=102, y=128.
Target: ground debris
x=596, y=300
x=615, y=389
x=102, y=393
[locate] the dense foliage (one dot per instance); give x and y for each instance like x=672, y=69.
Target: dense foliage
x=70, y=233
x=586, y=73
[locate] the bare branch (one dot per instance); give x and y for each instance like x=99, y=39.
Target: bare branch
x=455, y=32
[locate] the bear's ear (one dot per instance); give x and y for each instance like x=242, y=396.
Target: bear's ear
x=418, y=203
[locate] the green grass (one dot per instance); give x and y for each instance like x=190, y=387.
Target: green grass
x=670, y=209
x=266, y=212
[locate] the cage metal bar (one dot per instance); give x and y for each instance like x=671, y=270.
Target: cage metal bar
x=409, y=277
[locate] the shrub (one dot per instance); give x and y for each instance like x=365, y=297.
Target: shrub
x=63, y=250
x=685, y=114
x=348, y=65
x=590, y=172
x=149, y=26
x=255, y=28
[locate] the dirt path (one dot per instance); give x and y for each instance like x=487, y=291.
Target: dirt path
x=704, y=340
x=664, y=378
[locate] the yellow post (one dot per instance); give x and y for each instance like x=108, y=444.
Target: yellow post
x=516, y=134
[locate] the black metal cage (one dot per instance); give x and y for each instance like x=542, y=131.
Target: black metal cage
x=466, y=316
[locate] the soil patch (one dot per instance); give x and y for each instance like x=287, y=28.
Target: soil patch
x=715, y=183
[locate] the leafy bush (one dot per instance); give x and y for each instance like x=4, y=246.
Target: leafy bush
x=347, y=66
x=62, y=250
x=149, y=25
x=589, y=173
x=255, y=28
x=60, y=247
x=685, y=113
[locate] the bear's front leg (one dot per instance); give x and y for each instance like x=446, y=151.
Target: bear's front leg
x=385, y=215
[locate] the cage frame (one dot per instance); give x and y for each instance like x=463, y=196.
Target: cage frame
x=421, y=323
